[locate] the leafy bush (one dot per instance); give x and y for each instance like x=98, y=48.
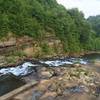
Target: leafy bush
x=45, y=48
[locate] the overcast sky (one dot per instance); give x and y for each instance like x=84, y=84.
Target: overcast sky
x=88, y=7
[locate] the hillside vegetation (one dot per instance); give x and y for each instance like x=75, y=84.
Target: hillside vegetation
x=34, y=18
x=95, y=23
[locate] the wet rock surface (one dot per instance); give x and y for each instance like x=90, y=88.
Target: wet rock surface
x=9, y=82
x=68, y=84
x=63, y=79
x=59, y=83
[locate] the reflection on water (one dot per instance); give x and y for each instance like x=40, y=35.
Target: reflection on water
x=93, y=56
x=93, y=61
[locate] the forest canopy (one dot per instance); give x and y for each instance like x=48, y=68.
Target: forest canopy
x=35, y=17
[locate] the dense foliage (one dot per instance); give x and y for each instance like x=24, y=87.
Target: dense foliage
x=95, y=23
x=35, y=17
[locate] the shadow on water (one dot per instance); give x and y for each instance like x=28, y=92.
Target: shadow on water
x=9, y=82
x=93, y=61
x=93, y=56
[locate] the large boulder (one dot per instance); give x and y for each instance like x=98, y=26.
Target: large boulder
x=9, y=82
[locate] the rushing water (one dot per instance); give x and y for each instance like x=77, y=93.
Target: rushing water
x=27, y=67
x=21, y=70
x=9, y=77
x=65, y=61
x=9, y=82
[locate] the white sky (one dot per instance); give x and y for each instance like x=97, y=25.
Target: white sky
x=88, y=7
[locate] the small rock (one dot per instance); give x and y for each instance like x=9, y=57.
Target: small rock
x=76, y=65
x=48, y=96
x=36, y=95
x=45, y=73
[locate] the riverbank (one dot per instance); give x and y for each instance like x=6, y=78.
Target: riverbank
x=59, y=83
x=14, y=51
x=59, y=77
x=11, y=61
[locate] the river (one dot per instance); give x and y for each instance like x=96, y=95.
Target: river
x=9, y=77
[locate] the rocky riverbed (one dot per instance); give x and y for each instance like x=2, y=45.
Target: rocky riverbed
x=63, y=83
x=60, y=79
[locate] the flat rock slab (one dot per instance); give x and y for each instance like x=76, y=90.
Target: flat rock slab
x=20, y=91
x=9, y=82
